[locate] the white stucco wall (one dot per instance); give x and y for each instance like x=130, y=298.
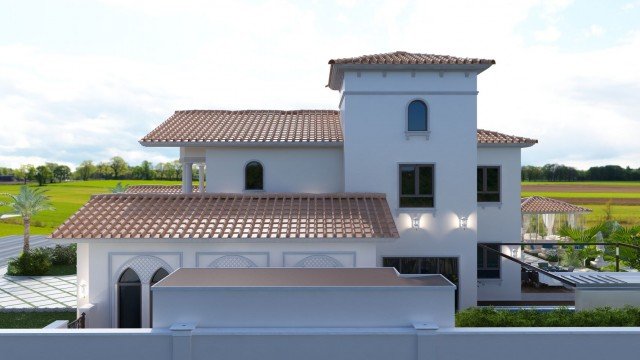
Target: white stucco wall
x=500, y=222
x=304, y=306
x=108, y=259
x=374, y=109
x=286, y=169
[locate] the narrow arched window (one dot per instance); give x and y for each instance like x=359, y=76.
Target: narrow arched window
x=253, y=176
x=159, y=275
x=129, y=300
x=417, y=116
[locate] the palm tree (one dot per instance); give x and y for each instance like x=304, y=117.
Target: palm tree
x=26, y=204
x=119, y=188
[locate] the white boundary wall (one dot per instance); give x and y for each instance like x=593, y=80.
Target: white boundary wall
x=186, y=343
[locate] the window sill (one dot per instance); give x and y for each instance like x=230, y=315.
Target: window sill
x=490, y=204
x=416, y=210
x=409, y=134
x=253, y=190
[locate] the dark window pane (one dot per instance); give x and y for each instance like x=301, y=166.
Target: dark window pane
x=425, y=180
x=480, y=257
x=493, y=179
x=493, y=258
x=429, y=266
x=408, y=175
x=413, y=201
x=480, y=179
x=488, y=274
x=253, y=176
x=410, y=265
x=129, y=276
x=488, y=197
x=159, y=275
x=391, y=262
x=417, y=116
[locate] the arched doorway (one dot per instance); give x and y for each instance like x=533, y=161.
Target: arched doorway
x=159, y=275
x=129, y=300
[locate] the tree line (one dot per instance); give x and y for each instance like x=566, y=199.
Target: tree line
x=115, y=168
x=558, y=172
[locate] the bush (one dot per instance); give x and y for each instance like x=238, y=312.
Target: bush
x=601, y=317
x=33, y=263
x=64, y=255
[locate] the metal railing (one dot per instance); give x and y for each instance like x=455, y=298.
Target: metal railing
x=78, y=323
x=563, y=244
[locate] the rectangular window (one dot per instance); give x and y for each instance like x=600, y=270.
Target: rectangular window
x=445, y=266
x=488, y=184
x=416, y=186
x=489, y=262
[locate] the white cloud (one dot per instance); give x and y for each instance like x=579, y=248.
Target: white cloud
x=71, y=105
x=594, y=31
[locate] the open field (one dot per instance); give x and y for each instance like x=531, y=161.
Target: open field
x=67, y=198
x=624, y=197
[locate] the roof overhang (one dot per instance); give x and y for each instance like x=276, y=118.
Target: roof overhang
x=503, y=145
x=222, y=144
x=336, y=73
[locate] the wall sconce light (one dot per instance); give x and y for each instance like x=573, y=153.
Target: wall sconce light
x=82, y=290
x=464, y=221
x=415, y=221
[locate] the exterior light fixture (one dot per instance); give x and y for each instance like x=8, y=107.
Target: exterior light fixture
x=415, y=221
x=464, y=221
x=82, y=290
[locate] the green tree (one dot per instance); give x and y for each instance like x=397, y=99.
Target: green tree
x=31, y=172
x=51, y=166
x=118, y=166
x=85, y=170
x=62, y=173
x=27, y=203
x=43, y=174
x=631, y=236
x=103, y=170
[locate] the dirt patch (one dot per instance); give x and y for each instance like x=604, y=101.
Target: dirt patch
x=582, y=188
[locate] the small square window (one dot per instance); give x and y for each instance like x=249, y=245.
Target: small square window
x=416, y=186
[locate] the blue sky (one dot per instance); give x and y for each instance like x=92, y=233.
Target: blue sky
x=86, y=79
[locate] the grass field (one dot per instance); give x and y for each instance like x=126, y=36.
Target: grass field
x=623, y=196
x=32, y=319
x=67, y=198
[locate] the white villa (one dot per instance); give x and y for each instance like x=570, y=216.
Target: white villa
x=400, y=176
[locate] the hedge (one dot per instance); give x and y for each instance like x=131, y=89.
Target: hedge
x=601, y=317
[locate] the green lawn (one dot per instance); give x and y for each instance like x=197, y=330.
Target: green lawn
x=32, y=319
x=625, y=206
x=574, y=194
x=67, y=198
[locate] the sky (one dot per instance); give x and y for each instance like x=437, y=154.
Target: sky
x=87, y=79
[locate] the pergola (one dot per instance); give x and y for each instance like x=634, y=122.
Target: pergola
x=541, y=213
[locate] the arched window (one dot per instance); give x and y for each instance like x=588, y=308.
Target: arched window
x=417, y=116
x=159, y=275
x=253, y=176
x=129, y=300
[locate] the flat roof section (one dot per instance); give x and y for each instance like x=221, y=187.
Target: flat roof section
x=296, y=277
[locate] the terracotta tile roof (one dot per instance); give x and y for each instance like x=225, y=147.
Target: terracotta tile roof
x=406, y=58
x=156, y=189
x=220, y=216
x=256, y=126
x=494, y=137
x=248, y=126
x=336, y=73
x=543, y=205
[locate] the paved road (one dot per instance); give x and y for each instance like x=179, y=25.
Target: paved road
x=11, y=246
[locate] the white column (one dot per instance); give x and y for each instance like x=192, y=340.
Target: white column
x=187, y=175
x=201, y=178
x=145, y=305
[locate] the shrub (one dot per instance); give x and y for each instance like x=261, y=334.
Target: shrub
x=64, y=255
x=33, y=263
x=601, y=317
